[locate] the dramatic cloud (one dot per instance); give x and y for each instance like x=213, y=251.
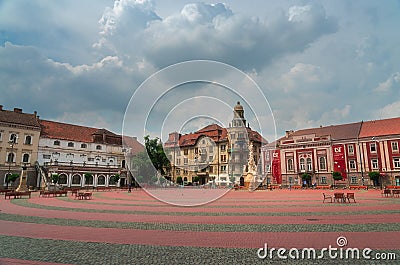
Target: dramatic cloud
x=317, y=62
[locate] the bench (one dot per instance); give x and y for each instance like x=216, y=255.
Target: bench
x=339, y=197
x=83, y=196
x=3, y=191
x=53, y=193
x=323, y=187
x=326, y=196
x=17, y=194
x=358, y=187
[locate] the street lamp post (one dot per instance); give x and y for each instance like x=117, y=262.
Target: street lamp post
x=11, y=157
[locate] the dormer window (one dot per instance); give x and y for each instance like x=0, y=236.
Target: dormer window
x=70, y=144
x=83, y=145
x=98, y=147
x=57, y=143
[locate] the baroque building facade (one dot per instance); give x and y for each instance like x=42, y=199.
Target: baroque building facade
x=71, y=151
x=213, y=154
x=353, y=149
x=19, y=138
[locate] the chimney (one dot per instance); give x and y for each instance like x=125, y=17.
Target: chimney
x=288, y=133
x=35, y=112
x=1, y=107
x=17, y=110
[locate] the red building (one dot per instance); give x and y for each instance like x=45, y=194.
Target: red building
x=353, y=149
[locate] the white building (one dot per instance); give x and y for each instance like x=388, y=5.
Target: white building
x=71, y=151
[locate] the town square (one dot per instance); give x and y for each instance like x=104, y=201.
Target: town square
x=199, y=132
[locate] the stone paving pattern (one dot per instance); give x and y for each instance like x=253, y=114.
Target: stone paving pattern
x=133, y=228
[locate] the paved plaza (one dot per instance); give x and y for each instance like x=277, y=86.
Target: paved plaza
x=117, y=227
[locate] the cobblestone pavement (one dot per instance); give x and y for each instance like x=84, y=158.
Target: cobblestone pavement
x=132, y=228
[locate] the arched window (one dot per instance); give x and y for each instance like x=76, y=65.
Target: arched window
x=302, y=164
x=62, y=179
x=28, y=139
x=13, y=138
x=11, y=158
x=76, y=180
x=101, y=181
x=98, y=147
x=309, y=164
x=83, y=145
x=25, y=158
x=89, y=180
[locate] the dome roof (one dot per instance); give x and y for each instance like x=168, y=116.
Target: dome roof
x=238, y=106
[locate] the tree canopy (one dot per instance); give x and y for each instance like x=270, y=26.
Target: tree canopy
x=155, y=151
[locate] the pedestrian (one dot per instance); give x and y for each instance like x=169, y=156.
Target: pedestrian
x=129, y=187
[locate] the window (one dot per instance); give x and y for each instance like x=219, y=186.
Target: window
x=322, y=163
x=196, y=150
x=309, y=165
x=223, y=169
x=353, y=180
x=210, y=158
x=352, y=164
x=76, y=180
x=28, y=139
x=323, y=180
x=372, y=147
x=10, y=158
x=268, y=168
x=1, y=134
x=83, y=145
x=178, y=161
x=46, y=156
x=302, y=164
x=374, y=163
x=185, y=152
x=185, y=160
x=211, y=169
x=90, y=159
x=178, y=171
x=350, y=149
x=101, y=181
x=98, y=147
x=396, y=162
x=223, y=148
x=70, y=144
x=223, y=158
x=185, y=172
x=395, y=147
x=290, y=164
x=25, y=158
x=13, y=138
x=56, y=142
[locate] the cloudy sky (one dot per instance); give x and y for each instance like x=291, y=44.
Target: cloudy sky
x=316, y=62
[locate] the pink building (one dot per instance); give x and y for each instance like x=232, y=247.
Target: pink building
x=353, y=149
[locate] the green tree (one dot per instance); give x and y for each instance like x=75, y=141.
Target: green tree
x=336, y=176
x=196, y=179
x=179, y=180
x=88, y=177
x=55, y=178
x=114, y=179
x=142, y=166
x=11, y=178
x=374, y=176
x=155, y=151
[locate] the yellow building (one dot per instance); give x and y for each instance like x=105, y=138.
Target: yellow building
x=213, y=154
x=19, y=140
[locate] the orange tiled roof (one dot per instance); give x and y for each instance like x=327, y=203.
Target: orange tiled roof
x=215, y=132
x=65, y=131
x=380, y=127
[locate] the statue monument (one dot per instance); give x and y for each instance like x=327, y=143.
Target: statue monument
x=22, y=180
x=250, y=171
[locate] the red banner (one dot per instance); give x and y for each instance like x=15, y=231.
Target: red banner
x=276, y=166
x=339, y=163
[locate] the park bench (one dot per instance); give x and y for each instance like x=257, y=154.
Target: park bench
x=3, y=191
x=358, y=187
x=327, y=196
x=52, y=193
x=84, y=195
x=17, y=194
x=323, y=187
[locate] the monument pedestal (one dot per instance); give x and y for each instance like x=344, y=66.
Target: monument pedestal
x=249, y=181
x=23, y=181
